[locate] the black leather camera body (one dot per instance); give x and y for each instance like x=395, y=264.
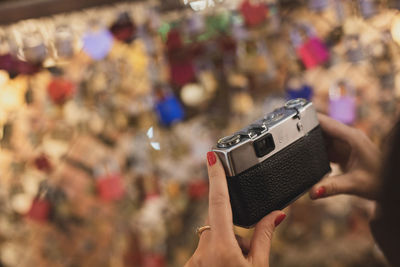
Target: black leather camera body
x=273, y=161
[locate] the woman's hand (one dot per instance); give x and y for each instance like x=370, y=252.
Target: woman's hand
x=358, y=158
x=218, y=246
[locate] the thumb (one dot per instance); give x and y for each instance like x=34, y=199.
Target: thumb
x=261, y=241
x=332, y=185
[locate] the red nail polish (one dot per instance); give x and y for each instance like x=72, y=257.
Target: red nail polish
x=279, y=219
x=320, y=192
x=211, y=158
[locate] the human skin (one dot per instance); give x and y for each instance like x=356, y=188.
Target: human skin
x=219, y=246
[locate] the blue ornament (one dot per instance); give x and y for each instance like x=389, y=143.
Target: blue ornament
x=97, y=44
x=305, y=92
x=169, y=110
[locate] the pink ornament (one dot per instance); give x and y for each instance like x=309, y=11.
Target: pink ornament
x=313, y=53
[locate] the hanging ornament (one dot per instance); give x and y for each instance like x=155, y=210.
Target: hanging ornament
x=64, y=41
x=15, y=66
x=254, y=12
x=296, y=88
x=42, y=163
x=309, y=48
x=40, y=208
x=167, y=107
x=313, y=52
x=60, y=90
x=109, y=183
x=110, y=187
x=123, y=28
x=12, y=94
x=34, y=49
x=197, y=189
x=342, y=103
x=97, y=41
x=180, y=60
x=193, y=94
x=39, y=211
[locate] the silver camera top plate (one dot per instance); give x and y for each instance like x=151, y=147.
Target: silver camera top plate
x=286, y=125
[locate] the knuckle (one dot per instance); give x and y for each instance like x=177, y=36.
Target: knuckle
x=268, y=232
x=359, y=135
x=333, y=188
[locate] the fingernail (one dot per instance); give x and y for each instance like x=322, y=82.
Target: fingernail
x=320, y=192
x=279, y=219
x=211, y=158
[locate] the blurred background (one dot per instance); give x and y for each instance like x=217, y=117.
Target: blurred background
x=107, y=110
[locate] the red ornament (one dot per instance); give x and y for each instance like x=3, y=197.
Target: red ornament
x=110, y=188
x=43, y=164
x=39, y=211
x=123, y=29
x=174, y=40
x=60, y=90
x=15, y=66
x=180, y=60
x=27, y=68
x=198, y=189
x=254, y=14
x=153, y=260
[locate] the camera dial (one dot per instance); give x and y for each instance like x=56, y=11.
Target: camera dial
x=296, y=103
x=256, y=129
x=228, y=141
x=274, y=116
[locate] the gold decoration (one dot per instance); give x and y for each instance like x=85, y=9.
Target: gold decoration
x=12, y=94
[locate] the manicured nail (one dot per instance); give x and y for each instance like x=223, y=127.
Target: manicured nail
x=211, y=158
x=279, y=219
x=320, y=192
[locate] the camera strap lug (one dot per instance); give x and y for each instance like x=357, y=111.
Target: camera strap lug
x=299, y=124
x=300, y=128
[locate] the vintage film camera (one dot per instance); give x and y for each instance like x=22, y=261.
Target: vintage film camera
x=273, y=161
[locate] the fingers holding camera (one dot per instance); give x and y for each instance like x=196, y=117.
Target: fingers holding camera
x=358, y=157
x=219, y=210
x=332, y=185
x=358, y=182
x=261, y=242
x=336, y=129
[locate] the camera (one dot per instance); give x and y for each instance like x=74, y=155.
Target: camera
x=273, y=161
